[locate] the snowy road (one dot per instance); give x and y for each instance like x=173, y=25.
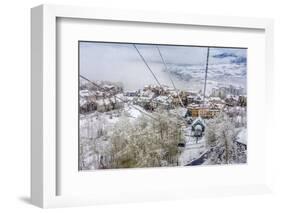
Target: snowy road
x=193, y=149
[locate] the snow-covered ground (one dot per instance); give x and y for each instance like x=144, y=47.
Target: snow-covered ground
x=133, y=111
x=96, y=130
x=242, y=136
x=192, y=150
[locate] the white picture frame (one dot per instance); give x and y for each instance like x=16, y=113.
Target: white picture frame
x=44, y=154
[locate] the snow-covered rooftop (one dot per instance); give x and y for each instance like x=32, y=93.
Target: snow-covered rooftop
x=198, y=120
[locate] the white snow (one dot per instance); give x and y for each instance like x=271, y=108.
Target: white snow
x=192, y=150
x=199, y=119
x=134, y=113
x=242, y=136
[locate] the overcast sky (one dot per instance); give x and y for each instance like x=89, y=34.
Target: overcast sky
x=121, y=62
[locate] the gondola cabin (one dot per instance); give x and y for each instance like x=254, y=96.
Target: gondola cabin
x=198, y=127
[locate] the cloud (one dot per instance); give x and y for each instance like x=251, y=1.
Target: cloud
x=225, y=55
x=239, y=60
x=120, y=62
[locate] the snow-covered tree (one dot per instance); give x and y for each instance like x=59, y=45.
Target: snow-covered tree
x=220, y=134
x=145, y=142
x=226, y=138
x=211, y=134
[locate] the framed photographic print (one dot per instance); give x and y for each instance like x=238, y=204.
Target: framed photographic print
x=159, y=118
x=148, y=106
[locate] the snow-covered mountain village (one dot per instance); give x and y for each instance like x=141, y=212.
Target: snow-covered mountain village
x=160, y=125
